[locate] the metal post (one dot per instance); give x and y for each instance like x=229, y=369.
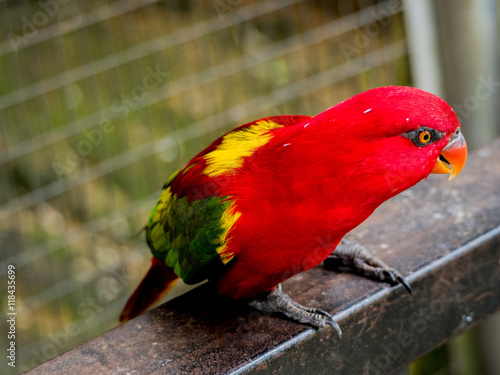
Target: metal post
x=469, y=47
x=422, y=38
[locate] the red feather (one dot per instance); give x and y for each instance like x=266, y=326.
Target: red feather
x=318, y=179
x=314, y=180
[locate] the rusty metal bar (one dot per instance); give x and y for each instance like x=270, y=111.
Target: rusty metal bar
x=444, y=235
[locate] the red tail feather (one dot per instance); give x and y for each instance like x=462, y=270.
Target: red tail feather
x=157, y=282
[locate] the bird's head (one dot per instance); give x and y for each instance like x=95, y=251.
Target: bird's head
x=400, y=133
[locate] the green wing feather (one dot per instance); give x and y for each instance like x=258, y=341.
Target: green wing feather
x=186, y=236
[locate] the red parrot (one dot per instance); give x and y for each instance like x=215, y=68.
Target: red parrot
x=246, y=213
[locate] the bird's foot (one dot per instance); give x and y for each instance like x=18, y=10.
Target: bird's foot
x=359, y=259
x=278, y=301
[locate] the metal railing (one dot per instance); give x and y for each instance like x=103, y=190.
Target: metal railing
x=444, y=235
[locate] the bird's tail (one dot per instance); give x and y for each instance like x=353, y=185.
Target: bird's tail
x=158, y=281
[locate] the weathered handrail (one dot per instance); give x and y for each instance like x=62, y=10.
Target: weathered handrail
x=444, y=236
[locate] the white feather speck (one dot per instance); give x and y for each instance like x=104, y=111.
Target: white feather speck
x=368, y=110
x=286, y=144
x=305, y=126
x=407, y=120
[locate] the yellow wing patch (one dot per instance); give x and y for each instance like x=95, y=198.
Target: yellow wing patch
x=236, y=146
x=227, y=220
x=163, y=204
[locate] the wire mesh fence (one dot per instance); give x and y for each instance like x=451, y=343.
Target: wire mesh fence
x=101, y=101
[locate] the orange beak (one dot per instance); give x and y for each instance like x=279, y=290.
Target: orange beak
x=453, y=156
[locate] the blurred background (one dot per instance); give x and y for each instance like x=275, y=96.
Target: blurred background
x=100, y=101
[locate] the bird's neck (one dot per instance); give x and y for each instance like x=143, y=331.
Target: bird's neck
x=325, y=172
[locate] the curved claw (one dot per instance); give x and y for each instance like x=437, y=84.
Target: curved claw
x=391, y=276
x=397, y=278
x=319, y=311
x=334, y=324
x=329, y=319
x=403, y=282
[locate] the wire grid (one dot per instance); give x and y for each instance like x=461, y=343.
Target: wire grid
x=102, y=101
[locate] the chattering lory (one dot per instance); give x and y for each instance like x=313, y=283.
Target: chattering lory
x=246, y=213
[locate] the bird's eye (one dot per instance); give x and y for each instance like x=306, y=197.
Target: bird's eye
x=424, y=136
